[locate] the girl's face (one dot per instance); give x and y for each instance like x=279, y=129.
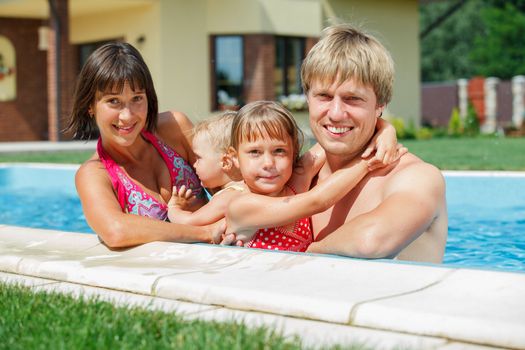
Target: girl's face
x=120, y=117
x=208, y=164
x=266, y=164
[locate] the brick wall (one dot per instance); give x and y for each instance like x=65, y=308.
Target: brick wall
x=25, y=118
x=259, y=61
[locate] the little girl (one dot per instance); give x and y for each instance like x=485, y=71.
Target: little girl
x=274, y=212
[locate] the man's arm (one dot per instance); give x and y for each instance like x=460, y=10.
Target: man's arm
x=412, y=199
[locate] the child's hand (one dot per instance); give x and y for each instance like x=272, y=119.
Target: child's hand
x=374, y=163
x=231, y=239
x=181, y=198
x=385, y=145
x=217, y=231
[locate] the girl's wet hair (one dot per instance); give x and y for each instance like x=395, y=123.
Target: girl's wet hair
x=263, y=119
x=106, y=70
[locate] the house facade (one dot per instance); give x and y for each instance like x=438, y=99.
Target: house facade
x=204, y=55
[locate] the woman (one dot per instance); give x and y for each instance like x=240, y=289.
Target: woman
x=125, y=186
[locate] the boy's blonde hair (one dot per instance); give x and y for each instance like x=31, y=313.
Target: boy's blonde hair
x=218, y=130
x=262, y=119
x=345, y=52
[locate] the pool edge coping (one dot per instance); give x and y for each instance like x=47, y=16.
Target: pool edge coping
x=381, y=325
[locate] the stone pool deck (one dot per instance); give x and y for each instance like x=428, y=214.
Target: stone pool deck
x=324, y=299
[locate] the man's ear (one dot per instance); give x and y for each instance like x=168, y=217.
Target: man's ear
x=379, y=110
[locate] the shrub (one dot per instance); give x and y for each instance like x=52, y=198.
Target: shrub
x=455, y=124
x=403, y=131
x=471, y=127
x=424, y=134
x=399, y=125
x=410, y=130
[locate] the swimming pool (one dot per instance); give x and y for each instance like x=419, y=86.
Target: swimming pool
x=486, y=211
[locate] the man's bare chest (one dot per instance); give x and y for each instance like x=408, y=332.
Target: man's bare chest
x=362, y=199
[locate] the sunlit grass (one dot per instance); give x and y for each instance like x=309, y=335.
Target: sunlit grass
x=41, y=320
x=481, y=153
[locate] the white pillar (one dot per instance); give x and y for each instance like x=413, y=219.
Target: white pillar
x=518, y=107
x=463, y=97
x=491, y=105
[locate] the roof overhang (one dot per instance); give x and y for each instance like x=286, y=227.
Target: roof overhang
x=40, y=8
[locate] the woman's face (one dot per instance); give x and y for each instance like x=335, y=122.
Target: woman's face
x=121, y=116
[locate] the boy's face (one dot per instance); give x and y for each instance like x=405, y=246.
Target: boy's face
x=343, y=117
x=208, y=164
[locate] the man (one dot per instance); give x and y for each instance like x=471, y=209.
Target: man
x=395, y=212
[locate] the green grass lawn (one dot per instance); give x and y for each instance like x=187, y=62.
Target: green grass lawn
x=74, y=157
x=482, y=153
x=40, y=320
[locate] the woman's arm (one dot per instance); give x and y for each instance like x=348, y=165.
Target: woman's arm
x=118, y=229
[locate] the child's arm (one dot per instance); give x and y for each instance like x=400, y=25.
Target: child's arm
x=385, y=145
x=307, y=168
x=211, y=212
x=250, y=211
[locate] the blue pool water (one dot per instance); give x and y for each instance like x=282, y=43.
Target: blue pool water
x=486, y=213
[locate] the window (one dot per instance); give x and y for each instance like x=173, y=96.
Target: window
x=228, y=71
x=289, y=54
x=84, y=50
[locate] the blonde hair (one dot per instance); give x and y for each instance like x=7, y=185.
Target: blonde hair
x=261, y=119
x=345, y=52
x=217, y=129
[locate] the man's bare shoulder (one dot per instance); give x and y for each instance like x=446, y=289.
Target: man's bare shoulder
x=414, y=174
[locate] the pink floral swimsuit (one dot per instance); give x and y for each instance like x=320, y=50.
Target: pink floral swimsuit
x=278, y=238
x=132, y=198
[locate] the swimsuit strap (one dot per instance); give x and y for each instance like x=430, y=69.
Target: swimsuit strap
x=181, y=172
x=232, y=186
x=113, y=170
x=291, y=188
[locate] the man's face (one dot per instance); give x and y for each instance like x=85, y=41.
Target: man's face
x=343, y=117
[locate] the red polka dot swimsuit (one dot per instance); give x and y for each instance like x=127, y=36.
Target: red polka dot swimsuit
x=278, y=238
